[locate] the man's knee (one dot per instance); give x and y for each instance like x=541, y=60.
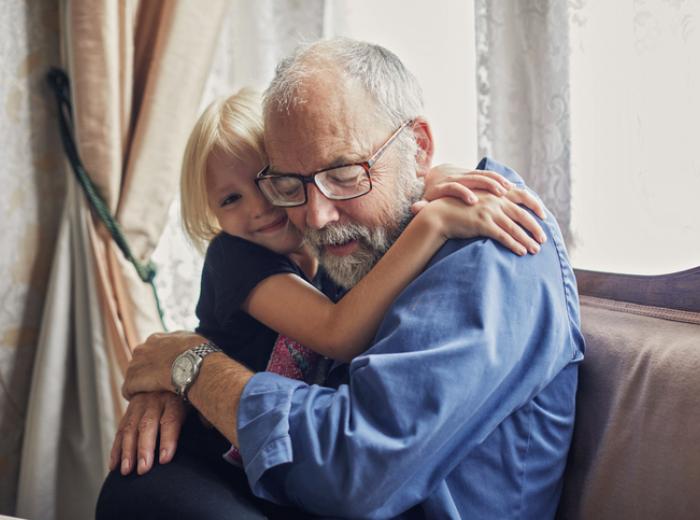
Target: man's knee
x=174, y=490
x=117, y=496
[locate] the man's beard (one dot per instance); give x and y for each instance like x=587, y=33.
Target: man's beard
x=347, y=270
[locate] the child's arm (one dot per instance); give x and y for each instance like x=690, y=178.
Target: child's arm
x=291, y=306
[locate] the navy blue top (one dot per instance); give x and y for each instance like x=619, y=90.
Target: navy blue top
x=463, y=407
x=232, y=268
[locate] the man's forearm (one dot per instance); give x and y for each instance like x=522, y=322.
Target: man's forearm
x=217, y=391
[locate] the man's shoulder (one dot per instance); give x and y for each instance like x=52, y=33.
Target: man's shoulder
x=478, y=269
x=480, y=259
x=484, y=257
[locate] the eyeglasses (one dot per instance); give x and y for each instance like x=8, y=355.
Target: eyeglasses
x=344, y=182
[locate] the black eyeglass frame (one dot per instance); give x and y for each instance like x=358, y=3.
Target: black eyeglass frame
x=311, y=178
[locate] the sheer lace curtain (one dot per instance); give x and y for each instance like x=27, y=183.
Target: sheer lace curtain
x=31, y=199
x=523, y=88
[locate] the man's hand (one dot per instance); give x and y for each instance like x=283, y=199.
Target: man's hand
x=215, y=393
x=149, y=369
x=136, y=436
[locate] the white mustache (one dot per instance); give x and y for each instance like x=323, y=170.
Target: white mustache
x=336, y=234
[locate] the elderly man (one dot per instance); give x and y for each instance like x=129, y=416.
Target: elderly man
x=463, y=406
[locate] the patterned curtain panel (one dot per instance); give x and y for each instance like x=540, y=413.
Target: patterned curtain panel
x=32, y=193
x=523, y=94
x=137, y=72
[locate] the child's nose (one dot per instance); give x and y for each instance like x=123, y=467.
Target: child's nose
x=260, y=206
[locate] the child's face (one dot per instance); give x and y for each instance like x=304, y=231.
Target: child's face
x=242, y=210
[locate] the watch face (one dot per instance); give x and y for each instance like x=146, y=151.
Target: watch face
x=183, y=369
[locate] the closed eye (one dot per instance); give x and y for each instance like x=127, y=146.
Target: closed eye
x=229, y=199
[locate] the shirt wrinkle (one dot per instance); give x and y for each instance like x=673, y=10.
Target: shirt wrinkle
x=523, y=472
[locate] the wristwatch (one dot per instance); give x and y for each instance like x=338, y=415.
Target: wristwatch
x=186, y=367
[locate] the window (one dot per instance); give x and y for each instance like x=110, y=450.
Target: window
x=635, y=104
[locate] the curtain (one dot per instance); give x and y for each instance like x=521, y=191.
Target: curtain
x=137, y=70
x=31, y=198
x=523, y=94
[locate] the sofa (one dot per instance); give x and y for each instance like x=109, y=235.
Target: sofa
x=636, y=447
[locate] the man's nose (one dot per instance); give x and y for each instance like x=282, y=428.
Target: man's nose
x=320, y=210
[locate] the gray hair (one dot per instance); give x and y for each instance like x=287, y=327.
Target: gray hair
x=395, y=90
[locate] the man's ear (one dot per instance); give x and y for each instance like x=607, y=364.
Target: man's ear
x=424, y=139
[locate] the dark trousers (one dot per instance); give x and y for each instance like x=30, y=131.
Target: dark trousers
x=196, y=484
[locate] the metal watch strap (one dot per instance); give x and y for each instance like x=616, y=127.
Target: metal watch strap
x=201, y=351
x=204, y=349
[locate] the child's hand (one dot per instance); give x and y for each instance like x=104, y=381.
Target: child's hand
x=446, y=180
x=496, y=217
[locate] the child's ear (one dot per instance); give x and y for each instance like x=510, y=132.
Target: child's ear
x=424, y=139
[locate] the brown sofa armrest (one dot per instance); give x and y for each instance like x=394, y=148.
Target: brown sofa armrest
x=679, y=290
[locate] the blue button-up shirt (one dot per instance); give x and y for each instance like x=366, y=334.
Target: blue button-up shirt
x=463, y=406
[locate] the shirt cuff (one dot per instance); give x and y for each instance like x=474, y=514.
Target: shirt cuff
x=263, y=426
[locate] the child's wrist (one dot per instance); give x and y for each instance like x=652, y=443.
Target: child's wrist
x=432, y=222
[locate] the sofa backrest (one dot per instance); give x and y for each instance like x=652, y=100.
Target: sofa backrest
x=636, y=447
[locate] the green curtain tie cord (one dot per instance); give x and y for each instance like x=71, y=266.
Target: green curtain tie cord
x=60, y=84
